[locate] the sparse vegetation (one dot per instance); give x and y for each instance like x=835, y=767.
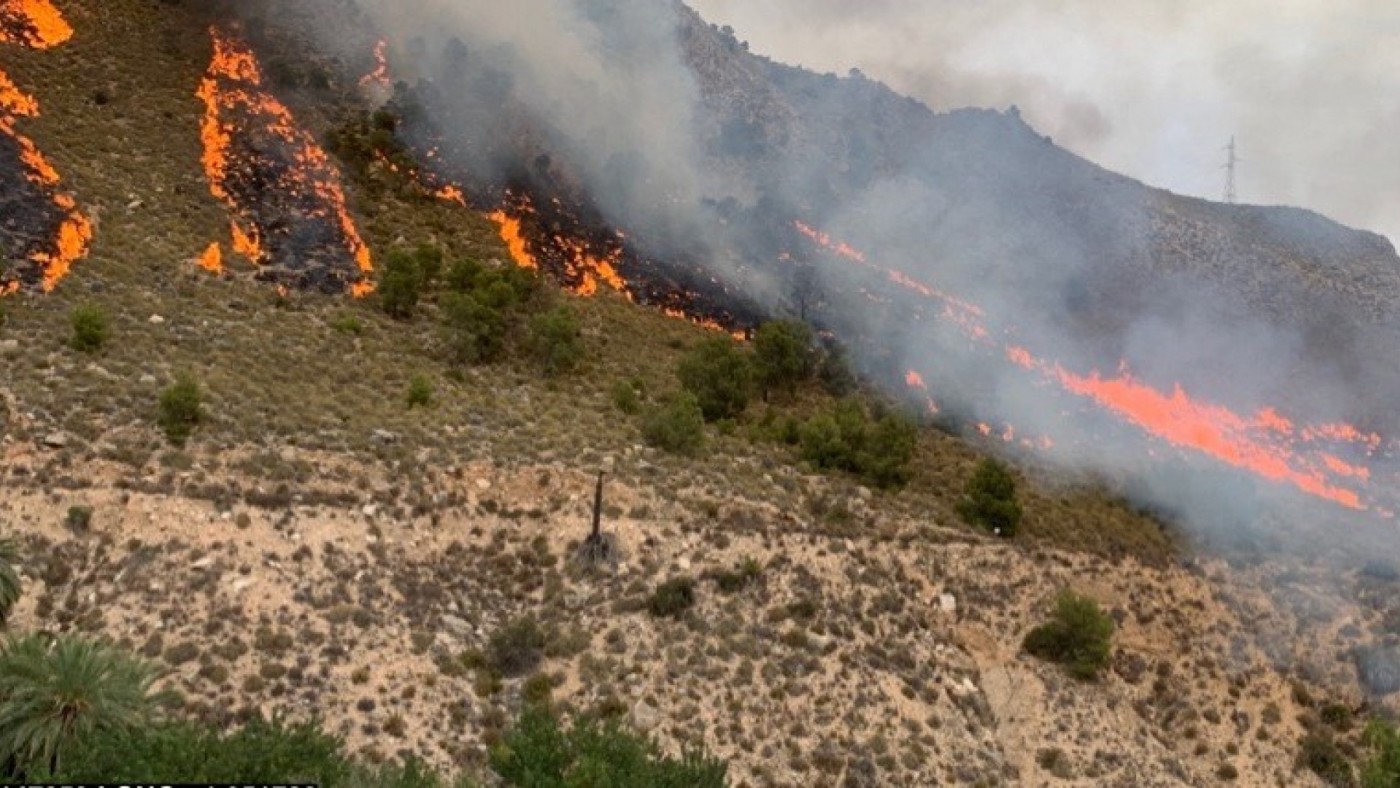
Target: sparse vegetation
x=990, y=499
x=517, y=648
x=90, y=328
x=1318, y=753
x=10, y=587
x=180, y=410
x=1078, y=636
x=1382, y=767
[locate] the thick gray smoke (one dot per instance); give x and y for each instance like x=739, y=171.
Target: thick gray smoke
x=704, y=152
x=1152, y=89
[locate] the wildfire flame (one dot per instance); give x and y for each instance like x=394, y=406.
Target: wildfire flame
x=33, y=23
x=237, y=104
x=74, y=233
x=379, y=78
x=1266, y=444
x=213, y=259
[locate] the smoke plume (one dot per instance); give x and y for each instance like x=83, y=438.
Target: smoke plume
x=1209, y=356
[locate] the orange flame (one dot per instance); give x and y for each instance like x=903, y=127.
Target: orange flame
x=74, y=234
x=514, y=237
x=213, y=259
x=379, y=77
x=40, y=24
x=232, y=88
x=1267, y=445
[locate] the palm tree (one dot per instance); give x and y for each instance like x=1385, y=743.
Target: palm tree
x=9, y=578
x=54, y=691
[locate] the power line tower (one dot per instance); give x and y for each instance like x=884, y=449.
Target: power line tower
x=1230, y=165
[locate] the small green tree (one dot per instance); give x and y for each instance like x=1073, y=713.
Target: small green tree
x=179, y=410
x=783, y=355
x=90, y=329
x=677, y=426
x=475, y=332
x=990, y=499
x=556, y=341
x=400, y=285
x=56, y=692
x=721, y=377
x=1078, y=636
x=420, y=392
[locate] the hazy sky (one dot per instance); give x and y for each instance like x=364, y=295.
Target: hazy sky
x=1151, y=88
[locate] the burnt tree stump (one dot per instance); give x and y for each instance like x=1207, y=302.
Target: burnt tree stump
x=599, y=548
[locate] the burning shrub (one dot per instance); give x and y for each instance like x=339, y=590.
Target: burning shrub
x=90, y=331
x=556, y=341
x=179, y=411
x=783, y=354
x=401, y=285
x=720, y=376
x=1078, y=636
x=677, y=427
x=990, y=499
x=847, y=439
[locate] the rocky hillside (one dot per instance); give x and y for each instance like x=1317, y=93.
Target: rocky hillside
x=323, y=547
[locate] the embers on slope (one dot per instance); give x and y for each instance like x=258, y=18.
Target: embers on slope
x=288, y=205
x=42, y=231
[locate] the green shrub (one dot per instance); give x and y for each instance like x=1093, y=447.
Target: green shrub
x=677, y=426
x=539, y=753
x=516, y=648
x=1078, y=636
x=721, y=377
x=1318, y=753
x=400, y=285
x=179, y=410
x=556, y=341
x=90, y=329
x=537, y=689
x=835, y=373
x=429, y=260
x=672, y=598
x=10, y=587
x=348, y=324
x=990, y=499
x=1382, y=768
x=78, y=519
x=846, y=439
x=783, y=354
x=627, y=396
x=420, y=392
x=475, y=332
x=747, y=573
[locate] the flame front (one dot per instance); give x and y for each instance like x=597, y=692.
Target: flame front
x=37, y=24
x=33, y=23
x=1267, y=445
x=237, y=107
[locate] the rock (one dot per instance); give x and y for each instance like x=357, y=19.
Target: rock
x=948, y=604
x=384, y=437
x=203, y=563
x=863, y=493
x=148, y=380
x=644, y=717
x=100, y=372
x=456, y=626
x=9, y=345
x=240, y=585
x=56, y=440
x=683, y=564
x=134, y=204
x=156, y=320
x=370, y=510
x=483, y=484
